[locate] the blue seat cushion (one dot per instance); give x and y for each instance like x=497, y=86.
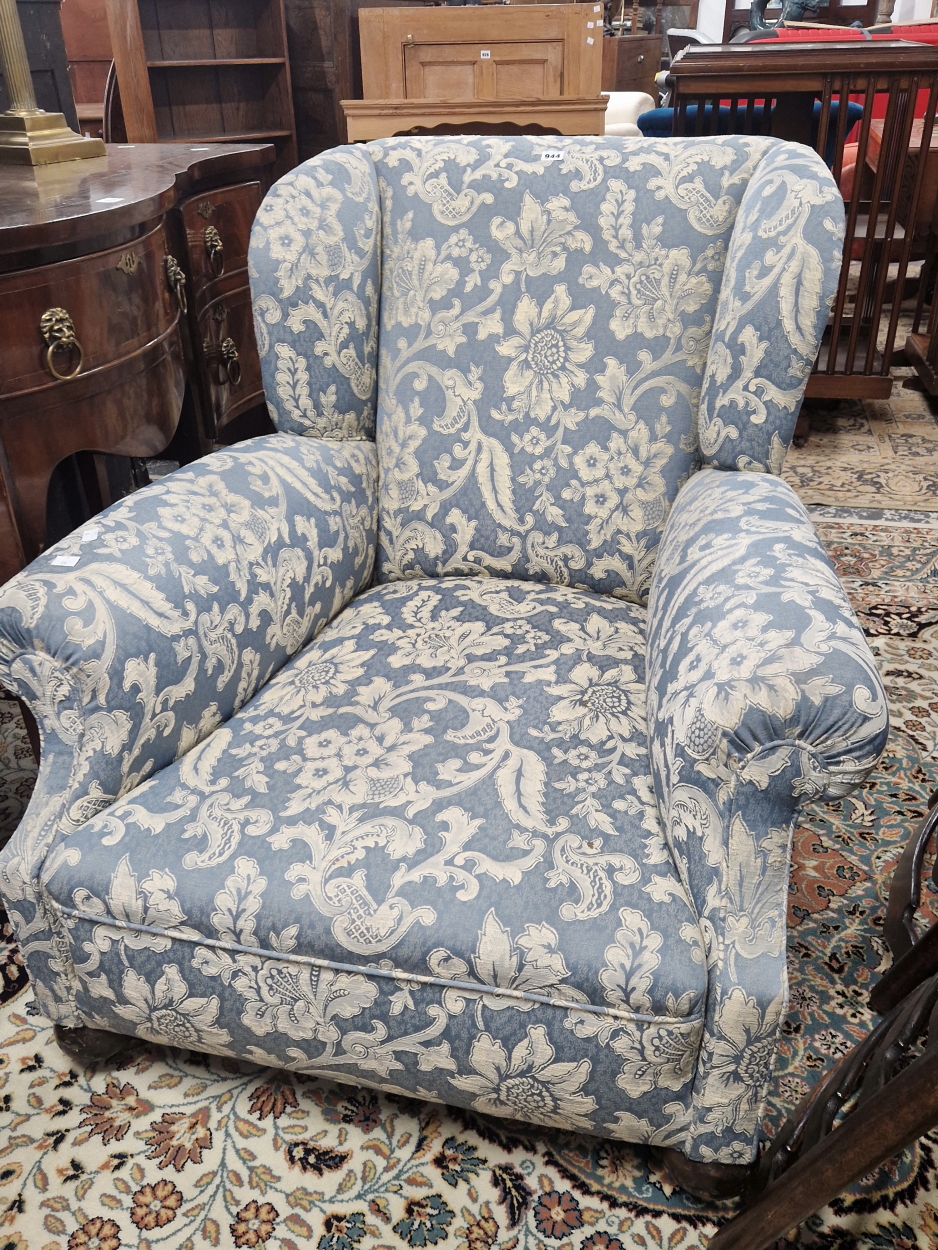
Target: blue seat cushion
x=659, y=123
x=426, y=856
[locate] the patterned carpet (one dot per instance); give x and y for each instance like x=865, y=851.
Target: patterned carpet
x=176, y=1151
x=870, y=453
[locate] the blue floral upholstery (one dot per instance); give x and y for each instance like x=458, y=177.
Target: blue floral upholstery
x=450, y=740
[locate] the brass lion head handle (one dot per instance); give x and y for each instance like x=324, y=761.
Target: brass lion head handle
x=231, y=361
x=176, y=281
x=58, y=330
x=215, y=249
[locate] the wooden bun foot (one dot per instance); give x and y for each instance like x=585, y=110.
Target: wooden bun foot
x=90, y=1046
x=712, y=1182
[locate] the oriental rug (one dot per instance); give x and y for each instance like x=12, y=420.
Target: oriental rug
x=870, y=453
x=179, y=1151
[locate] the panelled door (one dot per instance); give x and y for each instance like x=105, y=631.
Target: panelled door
x=484, y=71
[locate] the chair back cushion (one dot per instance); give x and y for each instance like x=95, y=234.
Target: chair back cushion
x=545, y=317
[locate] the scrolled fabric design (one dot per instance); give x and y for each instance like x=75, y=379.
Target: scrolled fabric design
x=763, y=695
x=389, y=864
x=193, y=593
x=315, y=279
x=544, y=330
x=781, y=276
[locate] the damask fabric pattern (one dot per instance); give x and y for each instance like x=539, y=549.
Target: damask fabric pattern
x=427, y=853
x=781, y=273
x=762, y=696
x=545, y=327
x=133, y=646
x=315, y=271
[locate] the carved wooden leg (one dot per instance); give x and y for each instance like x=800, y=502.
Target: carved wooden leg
x=713, y=1182
x=809, y=1162
x=90, y=1046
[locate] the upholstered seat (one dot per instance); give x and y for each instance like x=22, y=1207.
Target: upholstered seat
x=451, y=739
x=539, y=815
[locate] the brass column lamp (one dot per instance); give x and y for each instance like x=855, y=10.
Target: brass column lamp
x=29, y=135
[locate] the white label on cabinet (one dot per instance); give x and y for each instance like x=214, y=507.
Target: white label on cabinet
x=485, y=55
x=589, y=38
x=552, y=154
x=590, y=25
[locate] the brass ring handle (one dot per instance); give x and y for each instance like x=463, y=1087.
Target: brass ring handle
x=176, y=281
x=58, y=330
x=231, y=361
x=215, y=249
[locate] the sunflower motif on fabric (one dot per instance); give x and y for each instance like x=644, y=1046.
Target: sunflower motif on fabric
x=546, y=353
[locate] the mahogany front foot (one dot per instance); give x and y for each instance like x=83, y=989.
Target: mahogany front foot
x=712, y=1182
x=90, y=1046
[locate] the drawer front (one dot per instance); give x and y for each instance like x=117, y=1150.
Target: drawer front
x=631, y=63
x=112, y=304
x=218, y=231
x=229, y=353
x=130, y=408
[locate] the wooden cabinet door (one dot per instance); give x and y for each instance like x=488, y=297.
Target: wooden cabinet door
x=546, y=51
x=484, y=71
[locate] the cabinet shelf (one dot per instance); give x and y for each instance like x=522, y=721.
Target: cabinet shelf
x=193, y=72
x=213, y=62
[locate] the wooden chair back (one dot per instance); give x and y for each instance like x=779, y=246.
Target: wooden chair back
x=800, y=92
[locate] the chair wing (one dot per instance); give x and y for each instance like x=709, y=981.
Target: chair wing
x=315, y=271
x=780, y=280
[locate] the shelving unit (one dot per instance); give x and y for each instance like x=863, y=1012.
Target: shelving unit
x=209, y=71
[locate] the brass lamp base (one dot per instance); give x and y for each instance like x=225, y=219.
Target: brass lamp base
x=35, y=137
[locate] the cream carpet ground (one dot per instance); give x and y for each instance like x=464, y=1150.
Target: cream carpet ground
x=871, y=453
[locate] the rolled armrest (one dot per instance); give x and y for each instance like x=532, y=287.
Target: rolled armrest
x=753, y=643
x=133, y=638
x=762, y=696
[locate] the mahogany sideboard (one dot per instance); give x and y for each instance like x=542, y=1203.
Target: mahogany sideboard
x=123, y=298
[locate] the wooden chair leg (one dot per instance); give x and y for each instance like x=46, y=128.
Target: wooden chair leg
x=891, y=1120
x=802, y=429
x=809, y=1161
x=913, y=960
x=713, y=1182
x=90, y=1046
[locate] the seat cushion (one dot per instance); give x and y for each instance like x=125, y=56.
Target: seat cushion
x=546, y=310
x=427, y=855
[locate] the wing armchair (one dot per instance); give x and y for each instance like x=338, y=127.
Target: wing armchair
x=449, y=741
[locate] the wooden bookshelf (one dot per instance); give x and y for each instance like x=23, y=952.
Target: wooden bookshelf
x=209, y=71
